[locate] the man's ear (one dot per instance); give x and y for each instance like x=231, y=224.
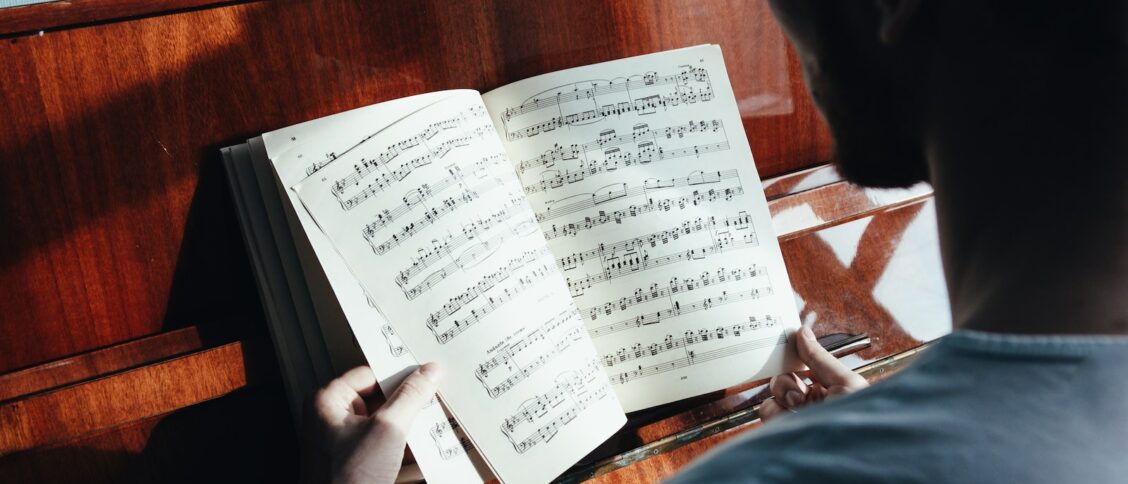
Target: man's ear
x=896, y=15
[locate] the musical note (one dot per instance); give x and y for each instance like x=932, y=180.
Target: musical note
x=472, y=112
x=620, y=159
x=466, y=259
x=639, y=351
x=551, y=411
x=416, y=196
x=470, y=231
x=678, y=309
x=603, y=252
x=632, y=256
x=450, y=439
x=608, y=138
x=484, y=285
x=430, y=216
x=584, y=201
x=692, y=357
x=676, y=286
x=492, y=303
x=652, y=205
x=637, y=94
x=523, y=357
x=422, y=142
x=395, y=345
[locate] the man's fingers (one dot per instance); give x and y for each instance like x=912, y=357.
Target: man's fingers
x=412, y=395
x=825, y=368
x=344, y=395
x=788, y=390
x=770, y=409
x=361, y=380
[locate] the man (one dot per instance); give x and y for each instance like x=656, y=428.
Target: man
x=1016, y=112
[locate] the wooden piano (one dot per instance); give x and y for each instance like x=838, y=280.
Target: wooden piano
x=133, y=345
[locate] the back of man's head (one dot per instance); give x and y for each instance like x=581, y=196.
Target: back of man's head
x=895, y=78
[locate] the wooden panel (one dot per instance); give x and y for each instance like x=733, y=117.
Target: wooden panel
x=98, y=362
x=116, y=219
x=245, y=436
x=104, y=403
x=56, y=13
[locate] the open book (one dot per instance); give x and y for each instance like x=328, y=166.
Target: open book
x=569, y=248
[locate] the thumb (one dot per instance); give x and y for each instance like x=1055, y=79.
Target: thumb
x=413, y=394
x=825, y=368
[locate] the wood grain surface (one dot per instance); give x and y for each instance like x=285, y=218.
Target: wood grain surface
x=117, y=223
x=116, y=219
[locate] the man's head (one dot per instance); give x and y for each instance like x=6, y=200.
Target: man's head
x=863, y=68
x=1017, y=112
x=889, y=74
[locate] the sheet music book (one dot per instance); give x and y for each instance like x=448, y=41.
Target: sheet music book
x=570, y=247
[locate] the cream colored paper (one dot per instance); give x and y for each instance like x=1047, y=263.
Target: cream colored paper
x=644, y=185
x=444, y=454
x=430, y=218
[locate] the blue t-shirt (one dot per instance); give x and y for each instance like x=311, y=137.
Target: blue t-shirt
x=976, y=407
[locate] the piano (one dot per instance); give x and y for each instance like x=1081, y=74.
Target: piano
x=133, y=346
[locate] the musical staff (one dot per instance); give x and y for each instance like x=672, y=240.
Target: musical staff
x=647, y=153
x=395, y=344
x=662, y=237
x=424, y=142
x=692, y=356
x=691, y=337
x=678, y=309
x=430, y=215
x=466, y=259
x=599, y=99
x=470, y=231
x=520, y=359
x=551, y=411
x=631, y=256
x=426, y=191
x=484, y=285
x=608, y=138
x=450, y=439
x=650, y=206
x=617, y=191
x=492, y=303
x=676, y=286
x=470, y=113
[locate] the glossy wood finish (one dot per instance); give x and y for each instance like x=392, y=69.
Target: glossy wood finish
x=116, y=399
x=56, y=13
x=98, y=362
x=112, y=132
x=117, y=224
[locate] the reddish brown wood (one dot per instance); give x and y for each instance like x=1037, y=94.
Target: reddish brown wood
x=117, y=223
x=111, y=133
x=120, y=399
x=98, y=362
x=241, y=437
x=61, y=13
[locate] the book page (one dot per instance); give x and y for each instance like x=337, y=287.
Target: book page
x=643, y=182
x=430, y=218
x=444, y=454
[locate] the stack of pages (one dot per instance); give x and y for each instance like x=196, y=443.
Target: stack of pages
x=569, y=248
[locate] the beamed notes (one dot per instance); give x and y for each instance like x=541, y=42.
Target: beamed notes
x=643, y=185
x=569, y=247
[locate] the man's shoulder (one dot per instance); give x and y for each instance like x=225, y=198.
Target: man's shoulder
x=978, y=408
x=852, y=439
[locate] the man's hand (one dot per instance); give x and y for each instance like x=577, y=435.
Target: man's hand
x=829, y=378
x=346, y=441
